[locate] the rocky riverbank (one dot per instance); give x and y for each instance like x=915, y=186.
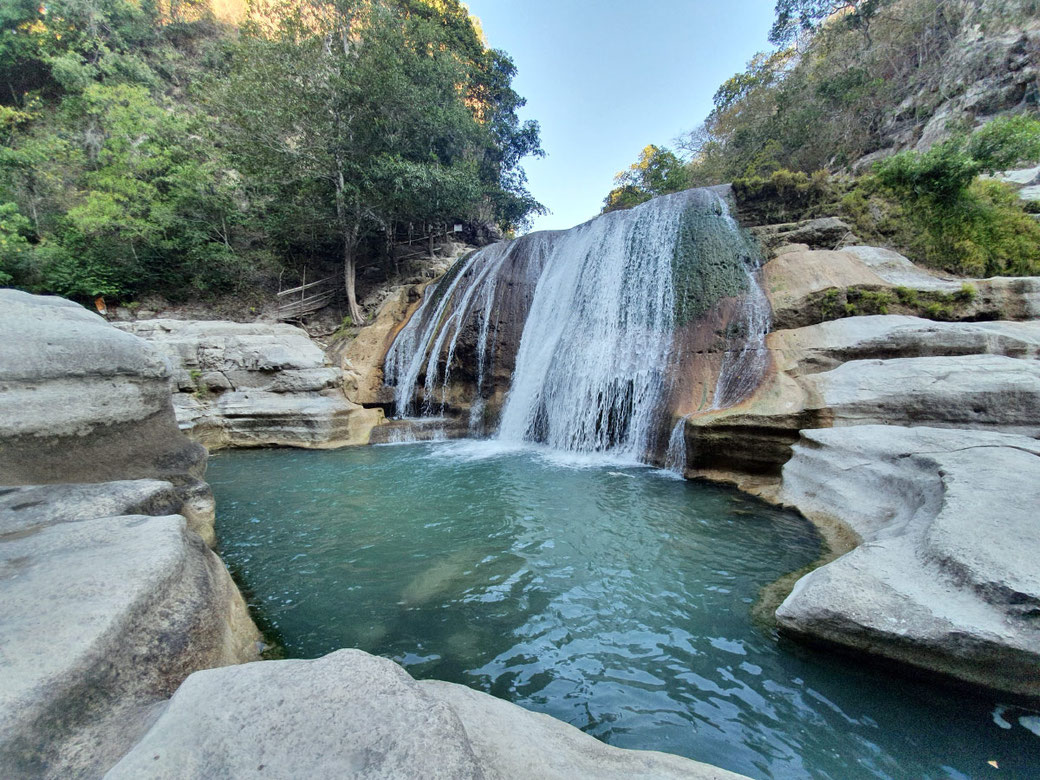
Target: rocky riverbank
x=913, y=441
x=255, y=385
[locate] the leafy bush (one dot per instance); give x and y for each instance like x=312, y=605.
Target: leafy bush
x=963, y=224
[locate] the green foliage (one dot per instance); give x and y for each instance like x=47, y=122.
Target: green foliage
x=963, y=224
x=794, y=17
x=966, y=294
x=856, y=70
x=906, y=296
x=839, y=302
x=938, y=311
x=147, y=148
x=15, y=250
x=1004, y=142
x=782, y=196
x=657, y=172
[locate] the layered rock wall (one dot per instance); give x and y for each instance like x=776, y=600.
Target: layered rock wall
x=109, y=595
x=255, y=385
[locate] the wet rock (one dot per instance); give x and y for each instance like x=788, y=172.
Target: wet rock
x=351, y=714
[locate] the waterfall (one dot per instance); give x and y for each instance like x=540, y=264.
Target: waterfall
x=590, y=370
x=675, y=455
x=580, y=328
x=742, y=369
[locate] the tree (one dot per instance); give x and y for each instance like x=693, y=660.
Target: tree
x=350, y=115
x=657, y=172
x=794, y=17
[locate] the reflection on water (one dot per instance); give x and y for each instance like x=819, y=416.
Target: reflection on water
x=603, y=594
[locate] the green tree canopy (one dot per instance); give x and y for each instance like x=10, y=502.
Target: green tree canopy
x=658, y=171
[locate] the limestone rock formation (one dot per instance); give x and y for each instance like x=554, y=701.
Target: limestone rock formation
x=351, y=714
x=820, y=233
x=912, y=438
x=946, y=577
x=83, y=402
x=255, y=384
x=808, y=286
x=879, y=369
x=107, y=602
x=362, y=357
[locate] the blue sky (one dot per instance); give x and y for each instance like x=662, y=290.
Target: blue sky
x=606, y=78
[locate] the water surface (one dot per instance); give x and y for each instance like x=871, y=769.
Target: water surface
x=609, y=596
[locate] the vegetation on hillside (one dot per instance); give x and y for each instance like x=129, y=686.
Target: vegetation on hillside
x=151, y=148
x=846, y=79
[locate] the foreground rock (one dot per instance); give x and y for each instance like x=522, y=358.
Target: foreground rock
x=102, y=614
x=946, y=578
x=83, y=402
x=351, y=714
x=255, y=384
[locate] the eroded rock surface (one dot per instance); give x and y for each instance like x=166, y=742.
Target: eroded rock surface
x=807, y=286
x=255, y=384
x=876, y=370
x=351, y=714
x=946, y=576
x=81, y=401
x=362, y=357
x=102, y=614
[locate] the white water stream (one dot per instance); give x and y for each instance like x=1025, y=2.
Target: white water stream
x=592, y=367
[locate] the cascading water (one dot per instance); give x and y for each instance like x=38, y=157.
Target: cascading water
x=580, y=326
x=742, y=369
x=591, y=367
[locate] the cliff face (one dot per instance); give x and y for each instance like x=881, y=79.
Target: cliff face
x=980, y=74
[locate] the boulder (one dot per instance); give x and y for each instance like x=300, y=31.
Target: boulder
x=81, y=401
x=351, y=714
x=945, y=578
x=255, y=384
x=102, y=615
x=820, y=233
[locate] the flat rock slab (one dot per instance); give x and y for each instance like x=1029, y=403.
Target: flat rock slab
x=946, y=576
x=100, y=619
x=827, y=345
x=28, y=508
x=255, y=384
x=885, y=369
x=991, y=392
x=354, y=715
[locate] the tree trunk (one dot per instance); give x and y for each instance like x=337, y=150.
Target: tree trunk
x=349, y=275
x=350, y=240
